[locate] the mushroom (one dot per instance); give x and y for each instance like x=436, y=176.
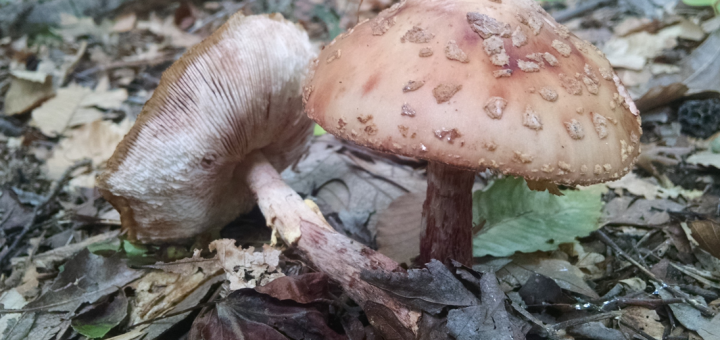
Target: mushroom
x=225, y=118
x=514, y=92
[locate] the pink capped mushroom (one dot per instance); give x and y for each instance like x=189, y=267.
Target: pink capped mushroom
x=208, y=145
x=470, y=86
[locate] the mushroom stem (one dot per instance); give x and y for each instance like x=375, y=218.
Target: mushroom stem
x=336, y=255
x=447, y=214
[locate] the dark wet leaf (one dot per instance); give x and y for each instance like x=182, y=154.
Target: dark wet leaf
x=14, y=214
x=385, y=322
x=429, y=289
x=540, y=289
x=98, y=320
x=305, y=288
x=707, y=235
x=487, y=321
x=247, y=314
x=85, y=278
x=432, y=328
x=37, y=326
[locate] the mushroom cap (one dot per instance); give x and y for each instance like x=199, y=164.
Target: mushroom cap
x=477, y=84
x=175, y=174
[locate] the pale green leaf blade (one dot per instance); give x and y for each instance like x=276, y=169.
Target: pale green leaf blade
x=520, y=220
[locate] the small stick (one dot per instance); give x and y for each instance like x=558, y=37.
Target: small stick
x=606, y=239
x=636, y=330
x=38, y=209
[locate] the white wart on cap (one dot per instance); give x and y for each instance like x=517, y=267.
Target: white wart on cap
x=478, y=84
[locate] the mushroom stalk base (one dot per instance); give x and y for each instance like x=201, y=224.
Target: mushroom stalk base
x=336, y=255
x=447, y=215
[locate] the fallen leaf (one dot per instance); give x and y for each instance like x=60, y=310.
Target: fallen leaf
x=72, y=27
x=707, y=234
x=190, y=265
x=633, y=50
x=74, y=105
x=385, y=322
x=341, y=181
x=85, y=279
x=239, y=264
x=96, y=141
x=14, y=214
x=648, y=189
x=646, y=320
x=640, y=212
x=125, y=23
x=197, y=296
x=488, y=320
x=705, y=158
x=10, y=299
x=566, y=275
x=167, y=29
x=692, y=319
x=50, y=259
x=399, y=228
x=247, y=314
x=520, y=220
x=429, y=289
x=98, y=320
x=25, y=95
x=595, y=330
x=540, y=289
x=304, y=288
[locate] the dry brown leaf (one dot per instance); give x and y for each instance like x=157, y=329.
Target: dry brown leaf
x=25, y=95
x=167, y=28
x=238, y=263
x=125, y=23
x=707, y=235
x=75, y=105
x=399, y=227
x=190, y=265
x=96, y=141
x=646, y=320
x=648, y=189
x=566, y=275
x=158, y=292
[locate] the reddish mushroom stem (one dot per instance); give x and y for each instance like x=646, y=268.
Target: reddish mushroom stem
x=447, y=214
x=336, y=255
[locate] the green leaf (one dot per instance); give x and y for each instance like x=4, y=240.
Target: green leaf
x=330, y=18
x=702, y=3
x=100, y=319
x=520, y=220
x=319, y=131
x=134, y=250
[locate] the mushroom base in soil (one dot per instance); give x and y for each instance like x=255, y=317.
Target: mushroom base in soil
x=447, y=214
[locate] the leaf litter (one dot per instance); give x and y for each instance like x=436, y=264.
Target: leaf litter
x=71, y=90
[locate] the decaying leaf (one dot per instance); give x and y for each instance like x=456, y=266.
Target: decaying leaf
x=14, y=214
x=534, y=220
x=96, y=141
x=566, y=275
x=399, y=227
x=247, y=314
x=304, y=288
x=628, y=210
x=648, y=189
x=692, y=319
x=25, y=95
x=190, y=265
x=75, y=105
x=705, y=158
x=429, y=289
x=240, y=263
x=98, y=320
x=85, y=279
x=646, y=320
x=707, y=235
x=487, y=321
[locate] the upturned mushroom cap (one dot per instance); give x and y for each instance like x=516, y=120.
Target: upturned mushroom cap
x=175, y=174
x=478, y=84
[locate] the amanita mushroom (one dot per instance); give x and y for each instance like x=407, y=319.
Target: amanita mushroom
x=475, y=85
x=225, y=118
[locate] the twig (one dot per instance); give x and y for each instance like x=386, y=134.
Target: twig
x=583, y=320
x=606, y=239
x=39, y=208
